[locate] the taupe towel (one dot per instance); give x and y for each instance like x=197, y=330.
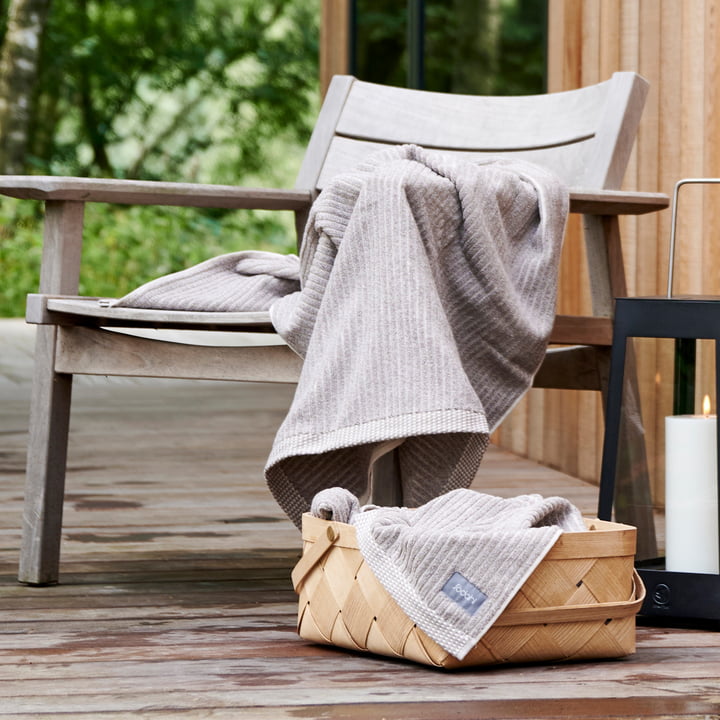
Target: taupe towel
x=245, y=281
x=428, y=294
x=454, y=564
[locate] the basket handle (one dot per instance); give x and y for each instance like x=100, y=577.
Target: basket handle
x=578, y=613
x=313, y=556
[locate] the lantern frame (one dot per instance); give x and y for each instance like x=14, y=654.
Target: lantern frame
x=670, y=594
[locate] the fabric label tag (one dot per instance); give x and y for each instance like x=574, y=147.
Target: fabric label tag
x=464, y=593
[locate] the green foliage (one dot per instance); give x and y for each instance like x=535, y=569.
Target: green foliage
x=221, y=91
x=20, y=253
x=522, y=46
x=174, y=91
x=122, y=258
x=218, y=91
x=494, y=47
x=126, y=246
x=380, y=45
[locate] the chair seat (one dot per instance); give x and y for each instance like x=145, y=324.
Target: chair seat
x=89, y=311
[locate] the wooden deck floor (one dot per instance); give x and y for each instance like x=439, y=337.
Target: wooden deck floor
x=175, y=600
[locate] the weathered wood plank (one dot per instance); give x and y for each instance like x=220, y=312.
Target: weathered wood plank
x=98, y=352
x=264, y=687
x=646, y=708
x=150, y=192
x=582, y=330
x=54, y=310
x=175, y=599
x=247, y=635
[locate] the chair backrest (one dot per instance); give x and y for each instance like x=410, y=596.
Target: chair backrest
x=585, y=136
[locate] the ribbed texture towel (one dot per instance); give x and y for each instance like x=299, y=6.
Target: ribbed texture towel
x=335, y=503
x=245, y=281
x=428, y=288
x=455, y=563
x=428, y=294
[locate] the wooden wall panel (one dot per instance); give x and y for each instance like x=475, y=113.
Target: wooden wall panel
x=675, y=45
x=334, y=40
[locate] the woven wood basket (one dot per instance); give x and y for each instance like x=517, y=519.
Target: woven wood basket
x=579, y=603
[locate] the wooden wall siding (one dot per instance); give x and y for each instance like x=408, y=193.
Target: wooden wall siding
x=334, y=40
x=675, y=45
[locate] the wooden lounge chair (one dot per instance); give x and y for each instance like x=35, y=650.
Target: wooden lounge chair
x=584, y=135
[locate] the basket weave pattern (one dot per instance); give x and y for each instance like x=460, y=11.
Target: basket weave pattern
x=579, y=603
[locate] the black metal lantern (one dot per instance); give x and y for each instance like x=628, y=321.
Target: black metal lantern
x=685, y=582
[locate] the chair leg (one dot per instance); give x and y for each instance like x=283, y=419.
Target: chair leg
x=46, y=461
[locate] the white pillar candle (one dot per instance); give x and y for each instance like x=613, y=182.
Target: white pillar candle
x=691, y=496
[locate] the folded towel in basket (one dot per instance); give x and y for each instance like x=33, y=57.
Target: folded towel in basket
x=455, y=563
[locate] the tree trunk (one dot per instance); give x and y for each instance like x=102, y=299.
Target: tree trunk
x=18, y=74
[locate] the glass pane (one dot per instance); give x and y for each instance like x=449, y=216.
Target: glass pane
x=380, y=54
x=666, y=469
x=485, y=47
x=482, y=47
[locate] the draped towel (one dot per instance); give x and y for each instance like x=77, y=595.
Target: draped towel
x=428, y=295
x=421, y=303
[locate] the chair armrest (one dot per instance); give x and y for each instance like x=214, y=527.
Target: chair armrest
x=147, y=192
x=616, y=202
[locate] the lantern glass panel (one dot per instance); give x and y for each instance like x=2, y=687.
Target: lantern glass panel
x=666, y=464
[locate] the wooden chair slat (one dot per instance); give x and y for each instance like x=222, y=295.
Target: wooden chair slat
x=46, y=310
x=461, y=122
